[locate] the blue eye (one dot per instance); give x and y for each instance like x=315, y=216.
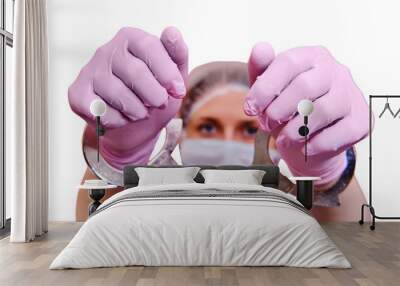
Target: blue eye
x=250, y=131
x=207, y=128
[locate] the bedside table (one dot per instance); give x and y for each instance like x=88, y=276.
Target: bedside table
x=305, y=190
x=96, y=193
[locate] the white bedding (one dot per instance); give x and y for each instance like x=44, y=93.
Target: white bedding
x=189, y=230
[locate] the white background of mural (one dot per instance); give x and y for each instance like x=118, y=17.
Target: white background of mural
x=361, y=34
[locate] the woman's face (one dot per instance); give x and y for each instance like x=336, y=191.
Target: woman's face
x=222, y=117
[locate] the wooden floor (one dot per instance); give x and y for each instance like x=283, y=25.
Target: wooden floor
x=375, y=257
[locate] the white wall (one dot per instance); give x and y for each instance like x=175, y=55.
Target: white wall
x=362, y=34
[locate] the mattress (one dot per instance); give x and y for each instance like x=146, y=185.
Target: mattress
x=201, y=225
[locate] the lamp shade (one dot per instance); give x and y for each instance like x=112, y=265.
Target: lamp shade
x=305, y=107
x=98, y=107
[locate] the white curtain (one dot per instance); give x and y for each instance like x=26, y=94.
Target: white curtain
x=28, y=121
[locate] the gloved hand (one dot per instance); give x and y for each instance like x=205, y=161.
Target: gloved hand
x=142, y=80
x=340, y=117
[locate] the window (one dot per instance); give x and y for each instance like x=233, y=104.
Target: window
x=6, y=44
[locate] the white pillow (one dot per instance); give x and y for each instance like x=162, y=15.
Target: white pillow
x=248, y=177
x=163, y=176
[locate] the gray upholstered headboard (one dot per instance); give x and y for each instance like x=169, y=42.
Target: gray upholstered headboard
x=270, y=179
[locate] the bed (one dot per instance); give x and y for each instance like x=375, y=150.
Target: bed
x=201, y=224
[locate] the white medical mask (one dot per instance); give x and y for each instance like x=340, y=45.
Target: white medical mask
x=216, y=152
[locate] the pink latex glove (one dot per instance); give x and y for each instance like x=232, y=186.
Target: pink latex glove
x=142, y=80
x=340, y=117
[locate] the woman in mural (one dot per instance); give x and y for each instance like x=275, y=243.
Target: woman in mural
x=213, y=117
x=144, y=81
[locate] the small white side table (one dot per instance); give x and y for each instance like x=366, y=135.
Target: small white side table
x=96, y=193
x=305, y=190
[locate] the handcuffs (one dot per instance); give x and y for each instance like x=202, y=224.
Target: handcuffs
x=105, y=171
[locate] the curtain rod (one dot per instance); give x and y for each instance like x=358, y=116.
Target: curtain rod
x=385, y=96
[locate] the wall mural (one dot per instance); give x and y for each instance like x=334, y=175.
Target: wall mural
x=222, y=113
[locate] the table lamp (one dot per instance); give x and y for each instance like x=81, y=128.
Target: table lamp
x=98, y=109
x=305, y=108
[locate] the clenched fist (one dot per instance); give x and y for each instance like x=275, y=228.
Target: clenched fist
x=340, y=117
x=142, y=80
